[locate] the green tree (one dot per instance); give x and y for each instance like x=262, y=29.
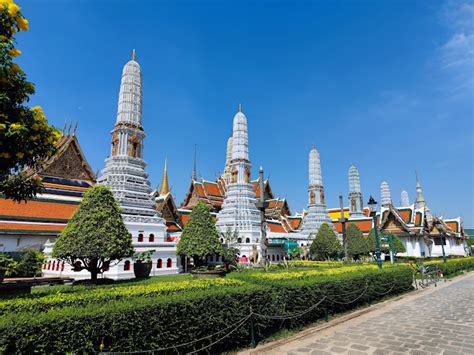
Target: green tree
x=26, y=139
x=325, y=245
x=230, y=252
x=30, y=263
x=95, y=235
x=357, y=245
x=200, y=237
x=296, y=252
x=398, y=246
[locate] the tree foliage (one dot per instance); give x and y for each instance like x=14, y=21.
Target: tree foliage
x=96, y=234
x=357, y=245
x=325, y=245
x=200, y=237
x=230, y=252
x=398, y=246
x=26, y=139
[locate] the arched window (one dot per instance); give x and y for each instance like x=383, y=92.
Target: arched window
x=247, y=240
x=211, y=258
x=126, y=266
x=151, y=238
x=222, y=240
x=62, y=266
x=302, y=244
x=239, y=240
x=49, y=265
x=273, y=257
x=54, y=265
x=159, y=264
x=169, y=262
x=278, y=257
x=140, y=237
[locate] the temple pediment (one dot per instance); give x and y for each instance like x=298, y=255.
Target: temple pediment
x=68, y=162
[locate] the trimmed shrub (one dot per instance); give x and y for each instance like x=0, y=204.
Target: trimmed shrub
x=164, y=321
x=454, y=266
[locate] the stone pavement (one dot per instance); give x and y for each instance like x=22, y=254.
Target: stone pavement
x=439, y=320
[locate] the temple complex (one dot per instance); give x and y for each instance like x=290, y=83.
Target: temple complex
x=156, y=222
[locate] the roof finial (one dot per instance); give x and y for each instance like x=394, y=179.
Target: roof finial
x=240, y=107
x=69, y=128
x=194, y=168
x=313, y=146
x=134, y=55
x=75, y=128
x=164, y=182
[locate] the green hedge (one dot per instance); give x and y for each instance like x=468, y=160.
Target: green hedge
x=454, y=266
x=148, y=323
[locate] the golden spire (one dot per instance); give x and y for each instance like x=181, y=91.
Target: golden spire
x=164, y=183
x=134, y=55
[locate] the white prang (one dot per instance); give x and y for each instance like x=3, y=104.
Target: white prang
x=239, y=211
x=317, y=214
x=386, y=198
x=355, y=194
x=125, y=174
x=404, y=199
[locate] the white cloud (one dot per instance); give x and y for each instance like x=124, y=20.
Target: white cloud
x=456, y=55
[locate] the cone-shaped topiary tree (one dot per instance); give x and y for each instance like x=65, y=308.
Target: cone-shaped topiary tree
x=357, y=245
x=325, y=245
x=200, y=237
x=95, y=235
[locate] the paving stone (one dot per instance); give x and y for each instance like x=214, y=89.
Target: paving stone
x=337, y=349
x=359, y=347
x=432, y=349
x=303, y=350
x=320, y=352
x=318, y=345
x=356, y=352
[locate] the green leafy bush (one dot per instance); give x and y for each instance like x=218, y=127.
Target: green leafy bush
x=151, y=322
x=454, y=266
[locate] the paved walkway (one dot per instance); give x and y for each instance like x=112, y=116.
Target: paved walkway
x=439, y=320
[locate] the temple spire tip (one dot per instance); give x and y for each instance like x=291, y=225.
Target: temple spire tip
x=134, y=55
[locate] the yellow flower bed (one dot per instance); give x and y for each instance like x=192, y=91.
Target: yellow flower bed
x=309, y=273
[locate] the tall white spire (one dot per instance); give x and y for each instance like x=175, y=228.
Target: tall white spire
x=124, y=170
x=240, y=138
x=239, y=211
x=386, y=198
x=420, y=199
x=355, y=194
x=130, y=96
x=317, y=214
x=405, y=201
x=315, y=175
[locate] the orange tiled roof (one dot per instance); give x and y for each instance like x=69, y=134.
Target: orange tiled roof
x=362, y=224
x=38, y=209
x=275, y=227
x=213, y=189
x=31, y=227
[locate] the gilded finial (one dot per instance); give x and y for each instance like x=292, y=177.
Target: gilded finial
x=134, y=54
x=64, y=128
x=69, y=128
x=164, y=182
x=75, y=128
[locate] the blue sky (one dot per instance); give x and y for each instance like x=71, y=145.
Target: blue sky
x=387, y=85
